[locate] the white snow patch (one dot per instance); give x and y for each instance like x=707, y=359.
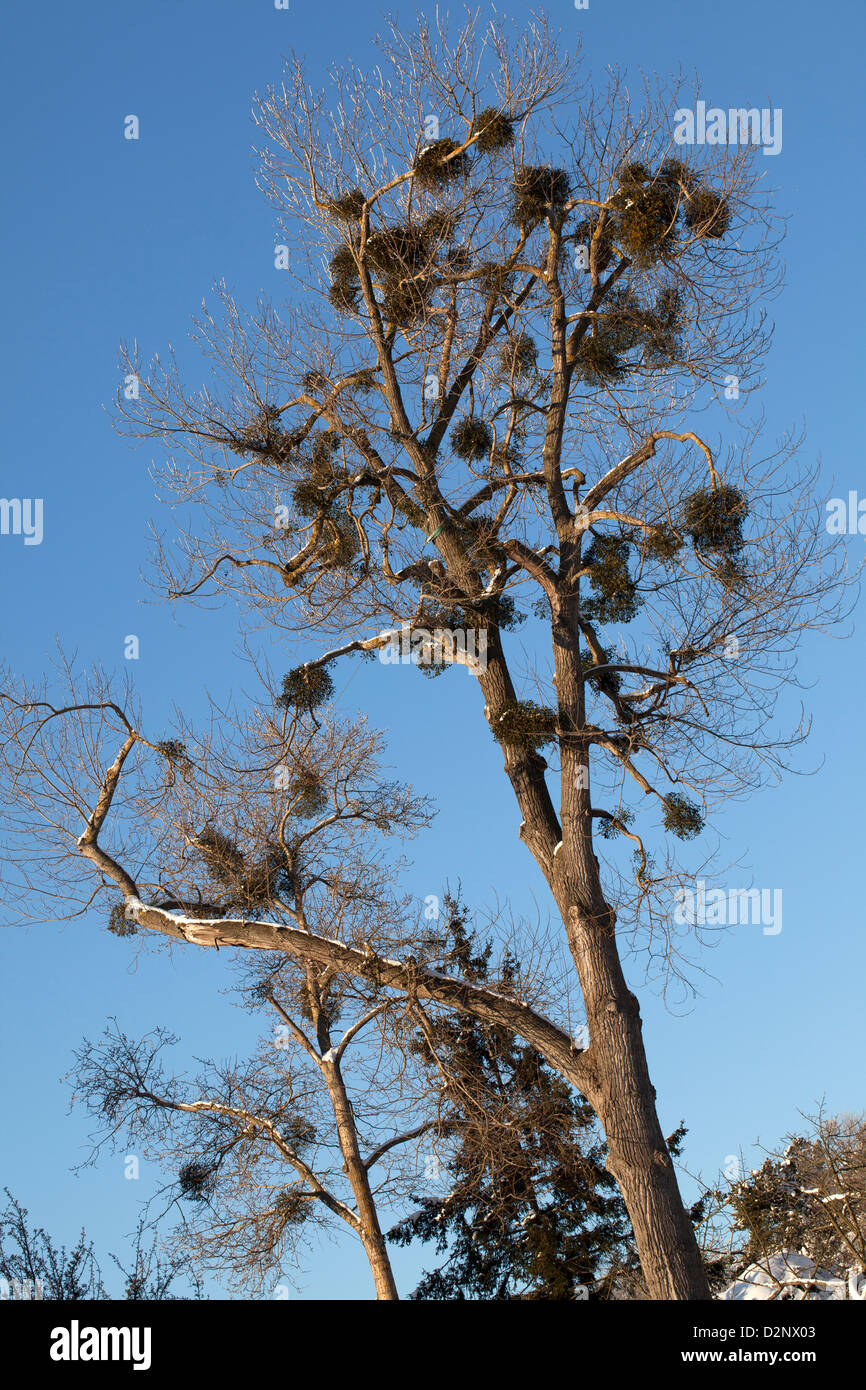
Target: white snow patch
x=789, y=1275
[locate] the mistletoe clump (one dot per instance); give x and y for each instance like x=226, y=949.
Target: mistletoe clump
x=403, y=255
x=224, y=859
x=646, y=213
x=611, y=826
x=315, y=493
x=585, y=234
x=615, y=597
x=411, y=510
x=118, y=922
x=305, y=688
x=678, y=175
x=307, y=793
x=494, y=130
x=662, y=326
x=661, y=543
x=347, y=207
x=439, y=165
x=708, y=214
x=681, y=816
x=713, y=518
x=597, y=360
x=525, y=724
x=471, y=438
x=291, y=1208
x=519, y=356
x=345, y=289
x=537, y=191
x=197, y=1181
x=264, y=435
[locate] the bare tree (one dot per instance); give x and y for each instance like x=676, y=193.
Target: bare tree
x=511, y=295
x=266, y=815
x=33, y=1265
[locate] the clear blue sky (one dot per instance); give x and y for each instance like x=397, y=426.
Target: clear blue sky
x=105, y=239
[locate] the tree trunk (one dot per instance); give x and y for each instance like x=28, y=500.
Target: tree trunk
x=618, y=1087
x=614, y=1071
x=369, y=1229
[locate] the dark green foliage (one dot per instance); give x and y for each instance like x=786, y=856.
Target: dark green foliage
x=608, y=682
x=403, y=249
x=471, y=438
x=626, y=325
x=315, y=493
x=502, y=611
x=525, y=724
x=478, y=533
x=681, y=817
x=306, y=687
x=731, y=573
x=310, y=498
x=601, y=353
x=497, y=610
x=531, y=1212
x=615, y=598
x=495, y=278
x=495, y=130
x=434, y=169
x=348, y=207
x=713, y=518
x=538, y=191
x=493, y=611
x=707, y=214
x=118, y=923
x=403, y=256
x=221, y=854
x=197, y=1181
x=634, y=173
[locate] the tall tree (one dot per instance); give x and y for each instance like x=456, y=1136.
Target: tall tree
x=511, y=292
